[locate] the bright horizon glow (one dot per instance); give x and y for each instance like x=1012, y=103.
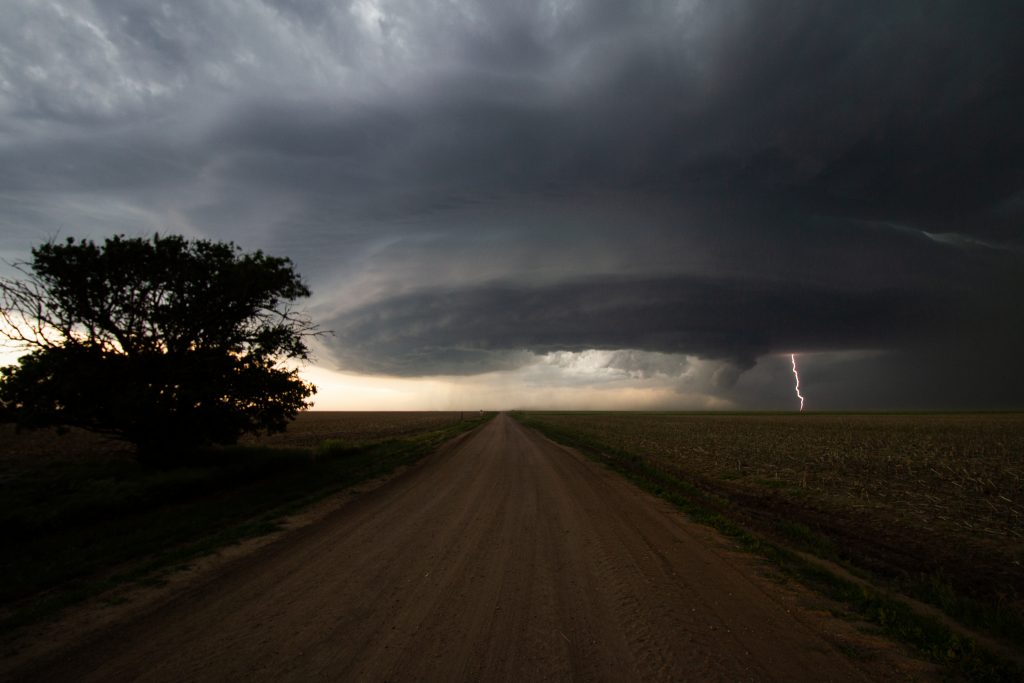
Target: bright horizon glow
x=525, y=388
x=10, y=352
x=344, y=391
x=557, y=381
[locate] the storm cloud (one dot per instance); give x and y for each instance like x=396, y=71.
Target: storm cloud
x=472, y=186
x=455, y=331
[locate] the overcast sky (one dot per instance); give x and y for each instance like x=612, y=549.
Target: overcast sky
x=601, y=204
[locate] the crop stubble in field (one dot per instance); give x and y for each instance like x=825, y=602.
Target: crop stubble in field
x=943, y=492
x=354, y=428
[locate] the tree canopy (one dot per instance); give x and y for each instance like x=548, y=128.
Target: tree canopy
x=166, y=342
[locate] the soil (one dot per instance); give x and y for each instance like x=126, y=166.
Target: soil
x=501, y=557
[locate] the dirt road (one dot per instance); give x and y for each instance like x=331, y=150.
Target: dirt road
x=502, y=557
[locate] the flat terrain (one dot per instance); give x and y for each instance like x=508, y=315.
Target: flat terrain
x=19, y=449
x=80, y=516
x=932, y=503
x=312, y=428
x=501, y=557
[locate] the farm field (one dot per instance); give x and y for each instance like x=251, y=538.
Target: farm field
x=312, y=428
x=502, y=557
x=79, y=514
x=20, y=450
x=931, y=503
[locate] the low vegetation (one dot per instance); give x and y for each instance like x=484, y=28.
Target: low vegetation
x=930, y=506
x=79, y=514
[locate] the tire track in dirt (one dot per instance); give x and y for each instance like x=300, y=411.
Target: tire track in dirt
x=502, y=557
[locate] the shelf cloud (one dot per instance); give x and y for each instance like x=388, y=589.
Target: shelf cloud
x=471, y=187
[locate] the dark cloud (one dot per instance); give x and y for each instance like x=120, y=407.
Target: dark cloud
x=726, y=180
x=452, y=331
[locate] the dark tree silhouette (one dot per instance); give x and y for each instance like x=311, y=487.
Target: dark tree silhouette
x=165, y=342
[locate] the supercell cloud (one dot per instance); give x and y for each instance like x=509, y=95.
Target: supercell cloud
x=670, y=195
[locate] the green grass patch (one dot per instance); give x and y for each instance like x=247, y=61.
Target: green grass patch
x=74, y=530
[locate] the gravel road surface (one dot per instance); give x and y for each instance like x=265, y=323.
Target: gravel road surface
x=501, y=557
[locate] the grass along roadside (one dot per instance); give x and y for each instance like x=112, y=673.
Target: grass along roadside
x=75, y=529
x=934, y=637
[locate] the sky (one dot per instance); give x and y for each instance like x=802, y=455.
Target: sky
x=561, y=204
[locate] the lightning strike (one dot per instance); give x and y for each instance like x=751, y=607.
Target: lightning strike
x=796, y=375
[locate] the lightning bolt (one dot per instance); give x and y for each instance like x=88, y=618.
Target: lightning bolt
x=796, y=375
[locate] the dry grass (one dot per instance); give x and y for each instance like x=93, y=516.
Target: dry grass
x=958, y=474
x=309, y=429
x=37, y=452
x=79, y=513
x=925, y=505
x=353, y=428
x=928, y=505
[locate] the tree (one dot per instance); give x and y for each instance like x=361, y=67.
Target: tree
x=165, y=342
